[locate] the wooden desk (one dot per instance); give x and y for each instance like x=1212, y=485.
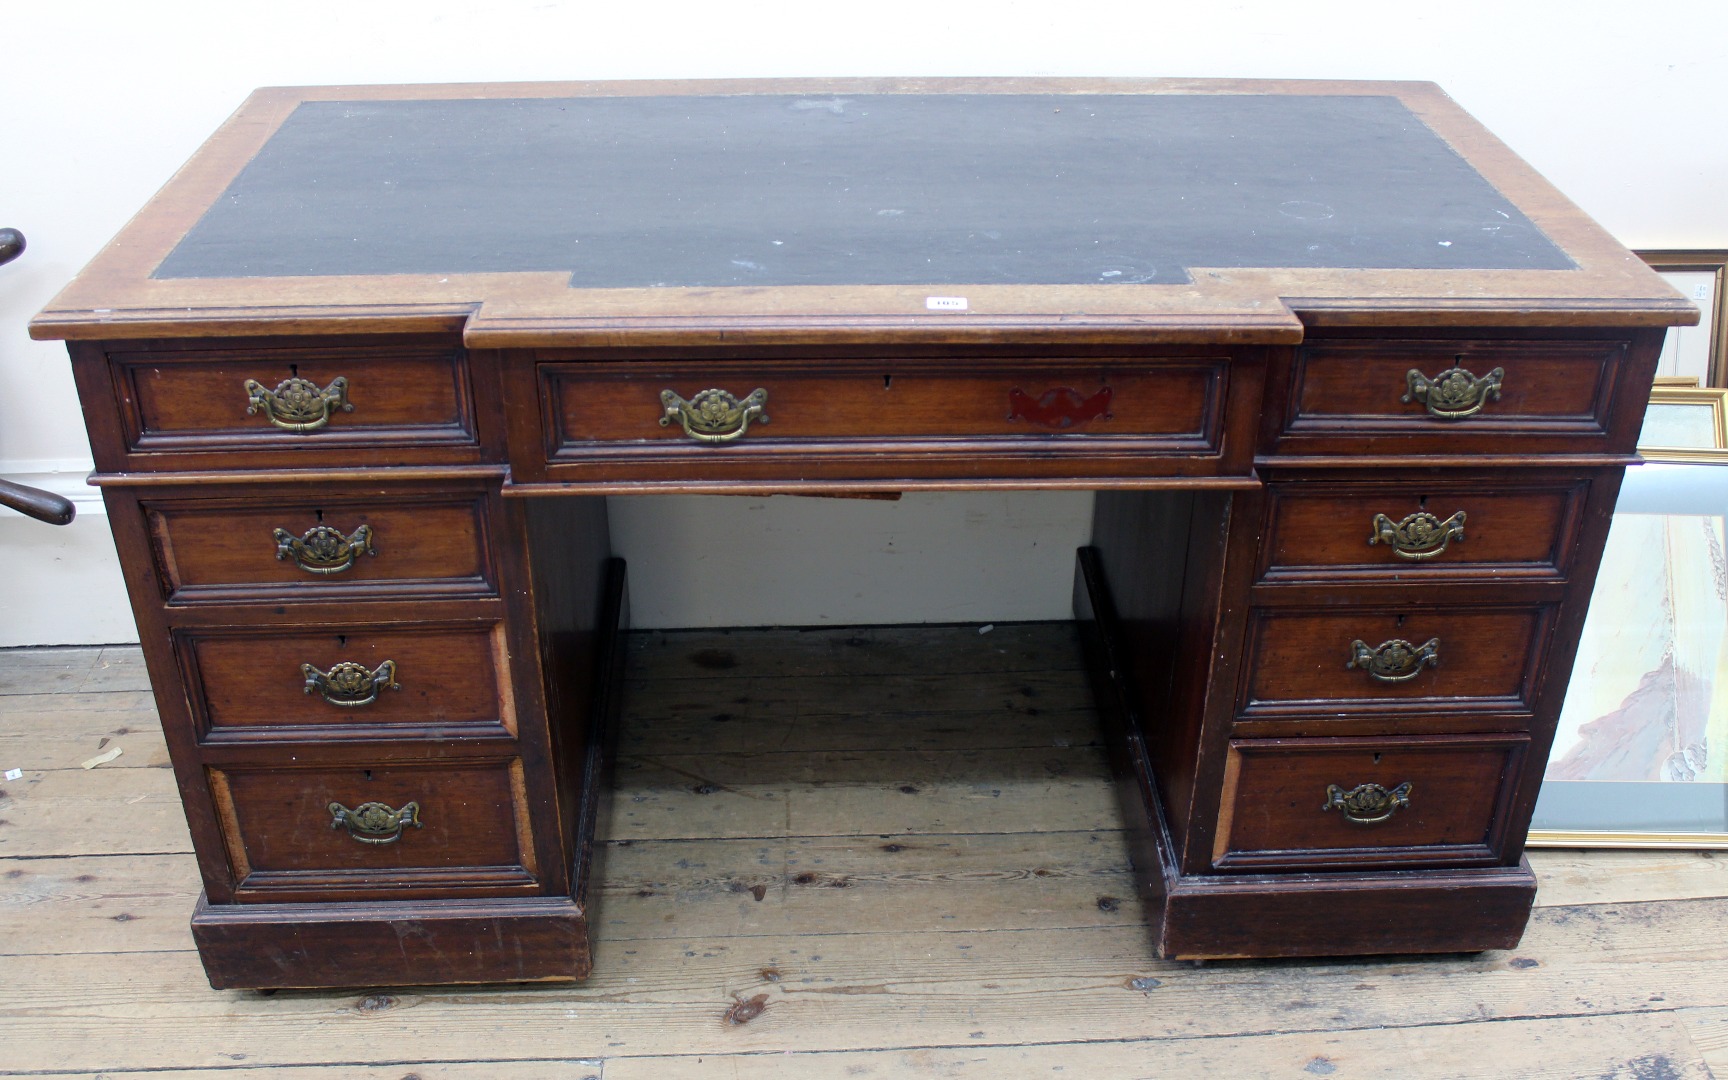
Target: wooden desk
x=1354, y=385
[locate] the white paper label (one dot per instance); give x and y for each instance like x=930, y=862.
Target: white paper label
x=945, y=303
x=14, y=774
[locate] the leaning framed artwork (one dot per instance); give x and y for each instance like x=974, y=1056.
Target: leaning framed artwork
x=1698, y=352
x=1686, y=423
x=1640, y=758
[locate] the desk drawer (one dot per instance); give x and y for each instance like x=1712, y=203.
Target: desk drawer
x=374, y=682
x=1457, y=396
x=375, y=829
x=1300, y=803
x=1361, y=661
x=1165, y=405
x=1420, y=528
x=300, y=546
x=335, y=406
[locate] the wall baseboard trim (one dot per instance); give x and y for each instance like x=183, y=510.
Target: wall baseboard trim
x=64, y=585
x=68, y=479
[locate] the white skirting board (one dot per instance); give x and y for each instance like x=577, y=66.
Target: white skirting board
x=60, y=585
x=929, y=557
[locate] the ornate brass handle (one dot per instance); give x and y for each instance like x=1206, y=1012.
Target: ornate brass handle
x=375, y=823
x=1454, y=395
x=1419, y=536
x=324, y=550
x=297, y=404
x=714, y=416
x=1394, y=661
x=349, y=684
x=1367, y=804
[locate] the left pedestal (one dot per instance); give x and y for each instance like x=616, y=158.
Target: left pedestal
x=388, y=725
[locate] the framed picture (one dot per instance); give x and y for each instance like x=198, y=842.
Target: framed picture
x=1640, y=758
x=1685, y=423
x=1699, y=352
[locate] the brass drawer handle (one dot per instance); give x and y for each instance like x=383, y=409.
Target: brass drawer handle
x=1454, y=395
x=375, y=823
x=1394, y=661
x=349, y=684
x=297, y=404
x=1419, y=536
x=714, y=416
x=1367, y=804
x=324, y=550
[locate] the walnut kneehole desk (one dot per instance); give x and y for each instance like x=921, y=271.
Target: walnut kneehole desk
x=1354, y=385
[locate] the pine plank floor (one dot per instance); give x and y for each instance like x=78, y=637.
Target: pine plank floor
x=897, y=846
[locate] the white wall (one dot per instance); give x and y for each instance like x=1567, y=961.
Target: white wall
x=1621, y=104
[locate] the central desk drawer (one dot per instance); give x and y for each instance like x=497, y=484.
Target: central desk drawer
x=1176, y=404
x=373, y=829
x=1296, y=803
x=374, y=682
x=1361, y=661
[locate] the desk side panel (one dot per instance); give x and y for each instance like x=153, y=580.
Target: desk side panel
x=577, y=612
x=1162, y=556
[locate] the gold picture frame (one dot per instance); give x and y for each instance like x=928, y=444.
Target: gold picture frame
x=1701, y=276
x=1686, y=423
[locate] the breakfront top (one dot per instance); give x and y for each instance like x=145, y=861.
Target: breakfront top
x=952, y=210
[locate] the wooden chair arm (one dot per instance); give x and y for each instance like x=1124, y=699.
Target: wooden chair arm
x=36, y=503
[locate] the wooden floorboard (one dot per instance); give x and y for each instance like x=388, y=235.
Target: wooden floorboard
x=925, y=882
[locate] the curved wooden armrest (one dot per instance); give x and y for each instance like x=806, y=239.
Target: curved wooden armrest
x=39, y=504
x=36, y=503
